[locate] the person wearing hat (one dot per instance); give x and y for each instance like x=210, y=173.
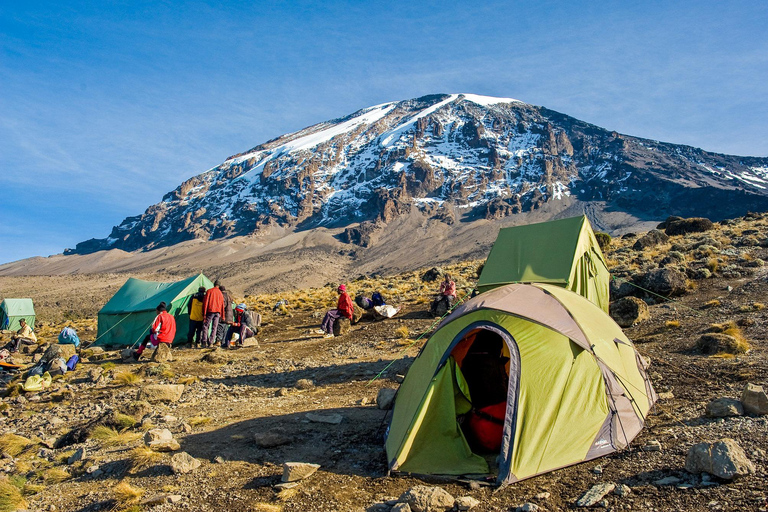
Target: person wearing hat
x=344, y=308
x=213, y=311
x=243, y=326
x=162, y=330
x=24, y=335
x=195, y=310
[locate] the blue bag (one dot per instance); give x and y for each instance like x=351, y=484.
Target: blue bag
x=72, y=363
x=68, y=336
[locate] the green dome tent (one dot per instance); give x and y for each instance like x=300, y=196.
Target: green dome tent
x=13, y=310
x=126, y=318
x=564, y=252
x=577, y=388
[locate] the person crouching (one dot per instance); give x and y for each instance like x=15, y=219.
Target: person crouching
x=344, y=308
x=243, y=326
x=162, y=330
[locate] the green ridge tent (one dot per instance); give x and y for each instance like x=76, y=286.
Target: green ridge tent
x=126, y=318
x=13, y=310
x=564, y=252
x=577, y=388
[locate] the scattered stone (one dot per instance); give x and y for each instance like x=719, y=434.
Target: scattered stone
x=620, y=288
x=182, y=463
x=629, y=311
x=79, y=455
x=286, y=485
x=652, y=446
x=95, y=375
x=283, y=392
x=598, y=470
x=219, y=459
x=667, y=395
x=385, y=398
x=527, y=507
x=691, y=225
x=595, y=494
x=333, y=419
x=162, y=353
x=137, y=408
x=161, y=440
x=754, y=399
x=160, y=499
x=724, y=459
x=215, y=357
x=466, y=503
x=160, y=392
x=295, y=471
x=305, y=384
x=57, y=350
x=670, y=480
x=432, y=274
x=724, y=407
x=270, y=439
x=622, y=490
x=422, y=498
x=542, y=496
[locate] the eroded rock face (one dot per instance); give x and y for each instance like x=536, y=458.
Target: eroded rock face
x=629, y=311
x=724, y=458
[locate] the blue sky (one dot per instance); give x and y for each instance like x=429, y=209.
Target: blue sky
x=106, y=106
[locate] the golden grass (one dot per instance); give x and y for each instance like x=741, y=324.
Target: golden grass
x=740, y=345
x=126, y=494
x=265, y=507
x=188, y=380
x=167, y=373
x=723, y=355
x=10, y=497
x=54, y=475
x=714, y=303
x=143, y=457
x=127, y=379
x=123, y=421
x=108, y=436
x=713, y=265
x=13, y=445
x=402, y=332
x=672, y=324
x=755, y=306
x=199, y=420
x=108, y=366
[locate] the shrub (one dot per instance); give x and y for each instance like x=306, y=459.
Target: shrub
x=188, y=380
x=54, y=475
x=122, y=421
x=604, y=241
x=712, y=265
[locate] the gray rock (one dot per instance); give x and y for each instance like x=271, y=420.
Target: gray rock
x=466, y=503
x=270, y=439
x=161, y=440
x=162, y=353
x=341, y=326
x=666, y=282
x=652, y=446
x=79, y=455
x=182, y=463
x=652, y=238
x=629, y=311
x=422, y=498
x=401, y=507
x=670, y=480
x=716, y=342
x=333, y=419
x=723, y=458
x=754, y=399
x=160, y=392
x=305, y=384
x=126, y=355
x=724, y=407
x=58, y=350
x=595, y=494
x=385, y=398
x=528, y=507
x=295, y=471
x=622, y=490
x=542, y=496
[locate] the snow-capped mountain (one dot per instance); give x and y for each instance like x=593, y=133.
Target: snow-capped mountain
x=450, y=156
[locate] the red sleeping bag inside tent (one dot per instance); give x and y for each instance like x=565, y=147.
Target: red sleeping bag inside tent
x=486, y=426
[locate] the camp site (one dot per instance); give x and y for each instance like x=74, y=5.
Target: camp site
x=563, y=376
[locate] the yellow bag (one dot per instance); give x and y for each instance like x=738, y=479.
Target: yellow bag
x=37, y=382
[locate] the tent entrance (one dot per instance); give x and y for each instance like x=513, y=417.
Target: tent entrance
x=487, y=376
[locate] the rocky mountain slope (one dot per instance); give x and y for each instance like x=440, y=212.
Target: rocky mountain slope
x=449, y=158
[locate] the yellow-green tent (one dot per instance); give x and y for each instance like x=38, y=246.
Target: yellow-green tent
x=563, y=252
x=577, y=388
x=13, y=310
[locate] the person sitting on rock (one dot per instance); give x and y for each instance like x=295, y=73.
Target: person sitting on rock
x=446, y=295
x=162, y=330
x=344, y=308
x=243, y=326
x=24, y=335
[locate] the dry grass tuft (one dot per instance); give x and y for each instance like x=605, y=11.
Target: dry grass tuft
x=108, y=366
x=127, y=379
x=108, y=436
x=10, y=497
x=127, y=494
x=672, y=324
x=402, y=332
x=724, y=355
x=13, y=444
x=143, y=457
x=188, y=380
x=199, y=420
x=287, y=494
x=54, y=476
x=123, y=421
x=265, y=507
x=714, y=303
x=713, y=265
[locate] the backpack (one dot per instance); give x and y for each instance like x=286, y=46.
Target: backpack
x=57, y=366
x=68, y=336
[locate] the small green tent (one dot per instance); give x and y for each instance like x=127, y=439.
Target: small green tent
x=13, y=310
x=563, y=252
x=126, y=318
x=570, y=384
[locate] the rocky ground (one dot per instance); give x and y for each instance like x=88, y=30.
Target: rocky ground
x=299, y=397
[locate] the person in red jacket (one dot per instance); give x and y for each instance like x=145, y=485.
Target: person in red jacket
x=213, y=311
x=162, y=330
x=344, y=308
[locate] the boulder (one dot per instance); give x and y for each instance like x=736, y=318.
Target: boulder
x=651, y=239
x=466, y=503
x=162, y=353
x=341, y=326
x=401, y=507
x=440, y=308
x=432, y=275
x=629, y=311
x=270, y=439
x=126, y=355
x=79, y=455
x=58, y=350
x=620, y=289
x=666, y=282
x=295, y=471
x=385, y=398
x=684, y=226
x=422, y=498
x=160, y=392
x=669, y=220
x=718, y=342
x=724, y=407
x=161, y=440
x=595, y=494
x=182, y=463
x=754, y=399
x=357, y=313
x=724, y=458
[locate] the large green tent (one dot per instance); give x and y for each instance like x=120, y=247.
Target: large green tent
x=126, y=318
x=564, y=252
x=573, y=387
x=13, y=310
